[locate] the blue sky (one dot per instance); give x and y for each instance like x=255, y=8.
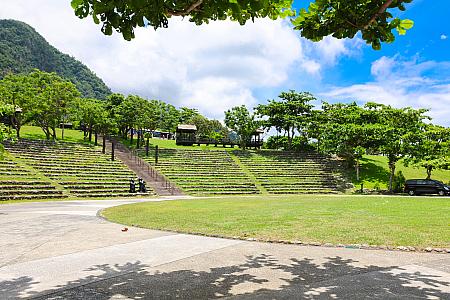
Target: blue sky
x=220, y=65
x=423, y=42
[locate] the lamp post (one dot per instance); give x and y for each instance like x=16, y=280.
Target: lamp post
x=17, y=112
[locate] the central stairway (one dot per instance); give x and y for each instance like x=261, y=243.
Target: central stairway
x=159, y=183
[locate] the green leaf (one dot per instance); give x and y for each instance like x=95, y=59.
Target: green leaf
x=401, y=31
x=96, y=20
x=76, y=3
x=407, y=24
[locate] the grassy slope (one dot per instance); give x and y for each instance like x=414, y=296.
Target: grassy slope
x=171, y=145
x=378, y=220
x=375, y=170
x=36, y=133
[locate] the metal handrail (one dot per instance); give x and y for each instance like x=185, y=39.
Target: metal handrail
x=133, y=155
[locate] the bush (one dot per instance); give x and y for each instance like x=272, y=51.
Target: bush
x=398, y=182
x=377, y=187
x=299, y=143
x=276, y=142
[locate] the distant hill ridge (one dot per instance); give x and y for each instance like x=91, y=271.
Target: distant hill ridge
x=23, y=49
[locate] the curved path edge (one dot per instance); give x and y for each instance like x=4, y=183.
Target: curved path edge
x=63, y=250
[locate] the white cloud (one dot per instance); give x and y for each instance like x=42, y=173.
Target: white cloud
x=400, y=83
x=443, y=37
x=212, y=67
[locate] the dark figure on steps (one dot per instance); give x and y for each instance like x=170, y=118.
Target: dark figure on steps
x=132, y=186
x=142, y=187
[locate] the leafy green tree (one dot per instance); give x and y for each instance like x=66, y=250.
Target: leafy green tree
x=92, y=114
x=186, y=114
x=347, y=131
x=127, y=115
x=340, y=18
x=290, y=114
x=430, y=149
x=346, y=18
x=169, y=117
x=51, y=97
x=241, y=121
x=16, y=91
x=398, y=128
x=5, y=132
x=202, y=124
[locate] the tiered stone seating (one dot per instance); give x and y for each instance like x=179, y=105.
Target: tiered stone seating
x=83, y=171
x=203, y=172
x=289, y=172
x=18, y=183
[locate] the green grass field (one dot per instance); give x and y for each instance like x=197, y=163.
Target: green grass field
x=170, y=144
x=375, y=171
x=374, y=220
x=36, y=133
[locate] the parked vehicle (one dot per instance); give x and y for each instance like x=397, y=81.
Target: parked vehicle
x=426, y=186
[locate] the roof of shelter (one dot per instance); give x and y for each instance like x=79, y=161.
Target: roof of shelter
x=259, y=130
x=186, y=127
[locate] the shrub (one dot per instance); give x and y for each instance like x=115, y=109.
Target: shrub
x=399, y=182
x=377, y=186
x=299, y=143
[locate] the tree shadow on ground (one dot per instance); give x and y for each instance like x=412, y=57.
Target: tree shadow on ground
x=300, y=279
x=372, y=172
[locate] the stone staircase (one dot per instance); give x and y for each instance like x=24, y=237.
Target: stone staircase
x=158, y=182
x=44, y=169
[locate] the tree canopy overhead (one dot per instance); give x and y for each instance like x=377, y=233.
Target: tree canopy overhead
x=339, y=18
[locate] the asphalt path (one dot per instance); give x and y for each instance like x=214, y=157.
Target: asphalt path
x=62, y=250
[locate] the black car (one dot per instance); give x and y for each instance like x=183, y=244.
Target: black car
x=426, y=186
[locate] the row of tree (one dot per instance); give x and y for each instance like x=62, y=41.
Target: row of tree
x=48, y=101
x=348, y=130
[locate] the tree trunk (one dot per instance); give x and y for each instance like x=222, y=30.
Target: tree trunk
x=62, y=131
x=289, y=139
x=138, y=140
x=429, y=170
x=357, y=169
x=90, y=133
x=46, y=131
x=391, y=176
x=54, y=134
x=131, y=137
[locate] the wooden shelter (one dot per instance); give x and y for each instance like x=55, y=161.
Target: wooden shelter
x=256, y=140
x=185, y=134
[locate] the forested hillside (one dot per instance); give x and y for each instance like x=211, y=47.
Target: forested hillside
x=23, y=49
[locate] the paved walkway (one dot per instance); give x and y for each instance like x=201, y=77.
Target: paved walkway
x=61, y=250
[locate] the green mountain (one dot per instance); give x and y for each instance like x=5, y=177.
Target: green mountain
x=23, y=49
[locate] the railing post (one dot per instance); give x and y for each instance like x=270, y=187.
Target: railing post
x=104, y=144
x=147, y=146
x=156, y=154
x=112, y=151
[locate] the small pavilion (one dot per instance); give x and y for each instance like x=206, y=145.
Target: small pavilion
x=186, y=134
x=256, y=139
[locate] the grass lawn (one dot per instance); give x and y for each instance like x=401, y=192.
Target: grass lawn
x=70, y=135
x=374, y=220
x=170, y=144
x=375, y=171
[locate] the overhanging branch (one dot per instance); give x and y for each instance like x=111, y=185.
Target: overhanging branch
x=379, y=12
x=185, y=11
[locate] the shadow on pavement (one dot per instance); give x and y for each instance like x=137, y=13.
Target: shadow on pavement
x=336, y=278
